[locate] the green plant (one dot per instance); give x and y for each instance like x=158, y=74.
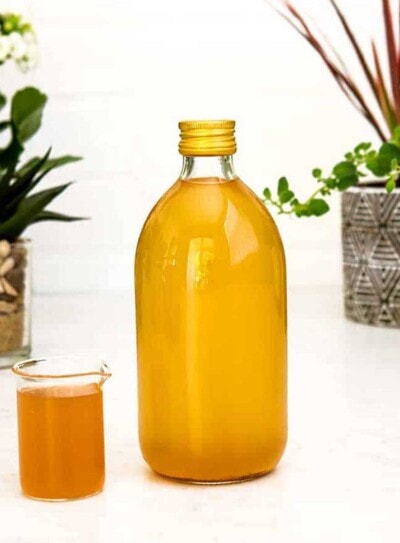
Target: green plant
x=17, y=41
x=19, y=208
x=383, y=163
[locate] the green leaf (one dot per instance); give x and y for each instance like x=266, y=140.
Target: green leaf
x=28, y=210
x=10, y=155
x=378, y=166
x=54, y=216
x=390, y=151
x=26, y=112
x=347, y=181
x=286, y=196
x=4, y=125
x=344, y=169
x=283, y=185
x=346, y=174
x=6, y=176
x=3, y=100
x=267, y=194
x=50, y=164
x=16, y=192
x=391, y=185
x=318, y=207
x=60, y=161
x=331, y=183
x=301, y=210
x=396, y=135
x=362, y=147
x=317, y=173
x=381, y=163
x=27, y=165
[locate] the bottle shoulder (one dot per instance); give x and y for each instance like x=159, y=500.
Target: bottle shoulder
x=213, y=198
x=211, y=208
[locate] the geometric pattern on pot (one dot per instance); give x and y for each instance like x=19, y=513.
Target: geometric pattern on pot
x=371, y=256
x=371, y=207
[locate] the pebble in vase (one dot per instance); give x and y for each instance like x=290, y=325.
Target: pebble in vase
x=14, y=300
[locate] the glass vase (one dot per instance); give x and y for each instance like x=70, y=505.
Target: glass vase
x=15, y=301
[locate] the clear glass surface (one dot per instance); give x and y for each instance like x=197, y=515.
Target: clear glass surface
x=211, y=330
x=60, y=427
x=15, y=301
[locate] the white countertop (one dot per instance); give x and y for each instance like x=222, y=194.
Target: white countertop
x=339, y=480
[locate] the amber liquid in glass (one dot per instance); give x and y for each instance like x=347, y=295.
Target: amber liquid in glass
x=61, y=441
x=211, y=333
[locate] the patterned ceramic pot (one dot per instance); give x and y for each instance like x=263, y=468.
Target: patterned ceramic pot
x=371, y=255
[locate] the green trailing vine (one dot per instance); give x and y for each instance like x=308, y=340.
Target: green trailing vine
x=383, y=164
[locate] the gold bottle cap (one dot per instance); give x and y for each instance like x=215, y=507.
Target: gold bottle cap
x=207, y=138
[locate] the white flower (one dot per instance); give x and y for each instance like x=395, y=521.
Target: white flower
x=18, y=46
x=29, y=38
x=19, y=42
x=32, y=51
x=4, y=48
x=31, y=56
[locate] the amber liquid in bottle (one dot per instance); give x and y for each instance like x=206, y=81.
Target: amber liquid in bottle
x=211, y=330
x=61, y=441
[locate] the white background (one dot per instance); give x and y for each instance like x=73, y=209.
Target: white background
x=121, y=73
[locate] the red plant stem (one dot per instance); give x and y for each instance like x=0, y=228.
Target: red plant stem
x=343, y=80
x=392, y=56
x=360, y=55
x=384, y=99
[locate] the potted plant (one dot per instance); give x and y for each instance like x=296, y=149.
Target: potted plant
x=367, y=177
x=20, y=204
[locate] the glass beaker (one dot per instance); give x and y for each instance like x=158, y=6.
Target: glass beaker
x=60, y=427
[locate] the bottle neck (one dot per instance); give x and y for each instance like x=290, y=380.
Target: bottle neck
x=206, y=167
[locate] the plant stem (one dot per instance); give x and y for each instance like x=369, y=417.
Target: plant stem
x=278, y=205
x=314, y=194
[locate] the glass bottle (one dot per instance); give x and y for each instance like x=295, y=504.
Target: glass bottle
x=211, y=321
